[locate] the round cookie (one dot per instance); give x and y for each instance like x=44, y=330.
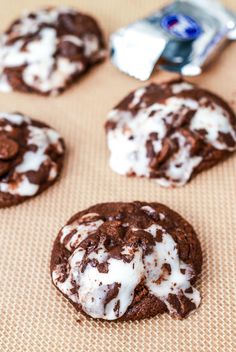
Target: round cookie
x=31, y=158
x=46, y=50
x=170, y=132
x=128, y=261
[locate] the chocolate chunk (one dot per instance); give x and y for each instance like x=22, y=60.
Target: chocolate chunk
x=150, y=149
x=4, y=167
x=70, y=50
x=193, y=139
x=110, y=125
x=113, y=291
x=8, y=148
x=103, y=268
x=153, y=136
x=227, y=138
x=163, y=155
x=181, y=305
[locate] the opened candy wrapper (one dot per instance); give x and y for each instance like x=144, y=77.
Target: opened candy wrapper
x=181, y=37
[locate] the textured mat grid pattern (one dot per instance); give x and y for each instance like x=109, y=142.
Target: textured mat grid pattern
x=34, y=316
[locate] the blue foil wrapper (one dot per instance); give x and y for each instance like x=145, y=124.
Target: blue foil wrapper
x=181, y=37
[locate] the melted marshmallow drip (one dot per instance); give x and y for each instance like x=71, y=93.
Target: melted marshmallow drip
x=72, y=39
x=137, y=97
x=166, y=252
x=180, y=87
x=91, y=44
x=31, y=25
x=92, y=291
x=213, y=121
x=149, y=210
x=93, y=286
x=15, y=119
x=81, y=232
x=181, y=165
x=43, y=72
x=127, y=141
x=23, y=188
x=41, y=138
x=41, y=64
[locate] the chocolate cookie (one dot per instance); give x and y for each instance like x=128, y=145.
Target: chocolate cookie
x=46, y=50
x=31, y=158
x=170, y=132
x=128, y=261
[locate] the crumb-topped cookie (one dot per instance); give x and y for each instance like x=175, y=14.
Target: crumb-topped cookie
x=46, y=50
x=170, y=132
x=31, y=157
x=128, y=261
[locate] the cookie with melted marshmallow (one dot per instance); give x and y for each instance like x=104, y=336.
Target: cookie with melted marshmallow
x=46, y=50
x=170, y=132
x=31, y=158
x=128, y=261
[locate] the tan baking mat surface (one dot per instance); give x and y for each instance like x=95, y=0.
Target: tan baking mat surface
x=33, y=315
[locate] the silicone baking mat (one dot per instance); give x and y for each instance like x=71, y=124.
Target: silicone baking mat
x=33, y=315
